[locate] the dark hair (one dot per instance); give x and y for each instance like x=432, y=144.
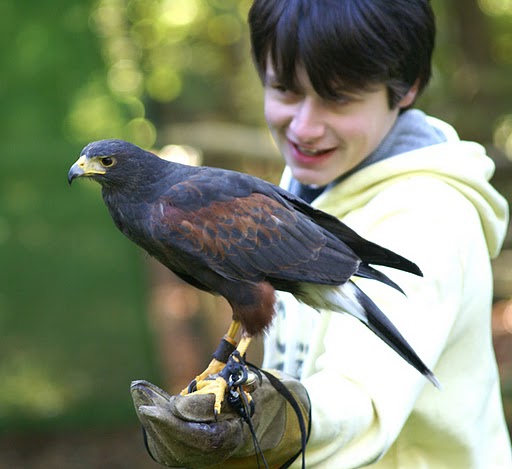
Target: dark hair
x=345, y=45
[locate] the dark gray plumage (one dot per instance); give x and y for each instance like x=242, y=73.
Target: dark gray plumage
x=241, y=237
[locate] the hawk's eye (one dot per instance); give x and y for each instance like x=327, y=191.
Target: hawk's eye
x=107, y=161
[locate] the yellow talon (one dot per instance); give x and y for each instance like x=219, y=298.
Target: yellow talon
x=217, y=387
x=213, y=368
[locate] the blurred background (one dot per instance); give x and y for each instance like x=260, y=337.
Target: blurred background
x=82, y=311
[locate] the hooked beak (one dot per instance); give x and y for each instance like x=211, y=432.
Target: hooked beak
x=77, y=170
x=84, y=167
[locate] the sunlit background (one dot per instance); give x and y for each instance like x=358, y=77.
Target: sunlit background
x=82, y=311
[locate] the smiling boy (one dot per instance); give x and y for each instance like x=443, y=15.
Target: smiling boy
x=340, y=79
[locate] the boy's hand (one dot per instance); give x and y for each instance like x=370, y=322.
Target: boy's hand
x=182, y=431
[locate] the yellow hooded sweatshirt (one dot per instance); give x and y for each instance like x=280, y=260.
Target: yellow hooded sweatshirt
x=435, y=206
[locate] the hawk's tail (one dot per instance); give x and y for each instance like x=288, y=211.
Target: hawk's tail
x=370, y=314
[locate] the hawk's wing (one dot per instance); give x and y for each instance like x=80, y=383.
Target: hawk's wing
x=240, y=228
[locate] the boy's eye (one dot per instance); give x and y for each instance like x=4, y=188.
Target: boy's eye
x=272, y=83
x=278, y=87
x=283, y=91
x=343, y=98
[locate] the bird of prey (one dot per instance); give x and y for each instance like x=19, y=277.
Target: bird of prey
x=241, y=237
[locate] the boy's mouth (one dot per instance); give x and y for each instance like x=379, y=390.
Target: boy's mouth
x=312, y=151
x=309, y=155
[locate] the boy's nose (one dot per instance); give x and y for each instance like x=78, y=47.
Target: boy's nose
x=307, y=123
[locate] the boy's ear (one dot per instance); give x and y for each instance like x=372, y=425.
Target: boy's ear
x=410, y=96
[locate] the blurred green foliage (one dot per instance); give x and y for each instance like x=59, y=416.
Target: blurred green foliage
x=73, y=326
x=73, y=331
x=166, y=61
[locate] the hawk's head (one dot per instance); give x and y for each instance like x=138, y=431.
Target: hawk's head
x=114, y=163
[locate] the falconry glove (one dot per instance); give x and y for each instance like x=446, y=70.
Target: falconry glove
x=183, y=431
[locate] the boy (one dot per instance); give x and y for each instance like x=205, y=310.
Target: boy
x=340, y=77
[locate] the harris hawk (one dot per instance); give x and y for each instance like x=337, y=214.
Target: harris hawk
x=241, y=237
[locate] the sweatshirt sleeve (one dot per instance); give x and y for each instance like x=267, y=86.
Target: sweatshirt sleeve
x=362, y=392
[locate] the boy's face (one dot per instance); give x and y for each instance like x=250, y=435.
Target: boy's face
x=323, y=139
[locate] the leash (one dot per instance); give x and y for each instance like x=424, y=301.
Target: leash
x=304, y=433
x=236, y=376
